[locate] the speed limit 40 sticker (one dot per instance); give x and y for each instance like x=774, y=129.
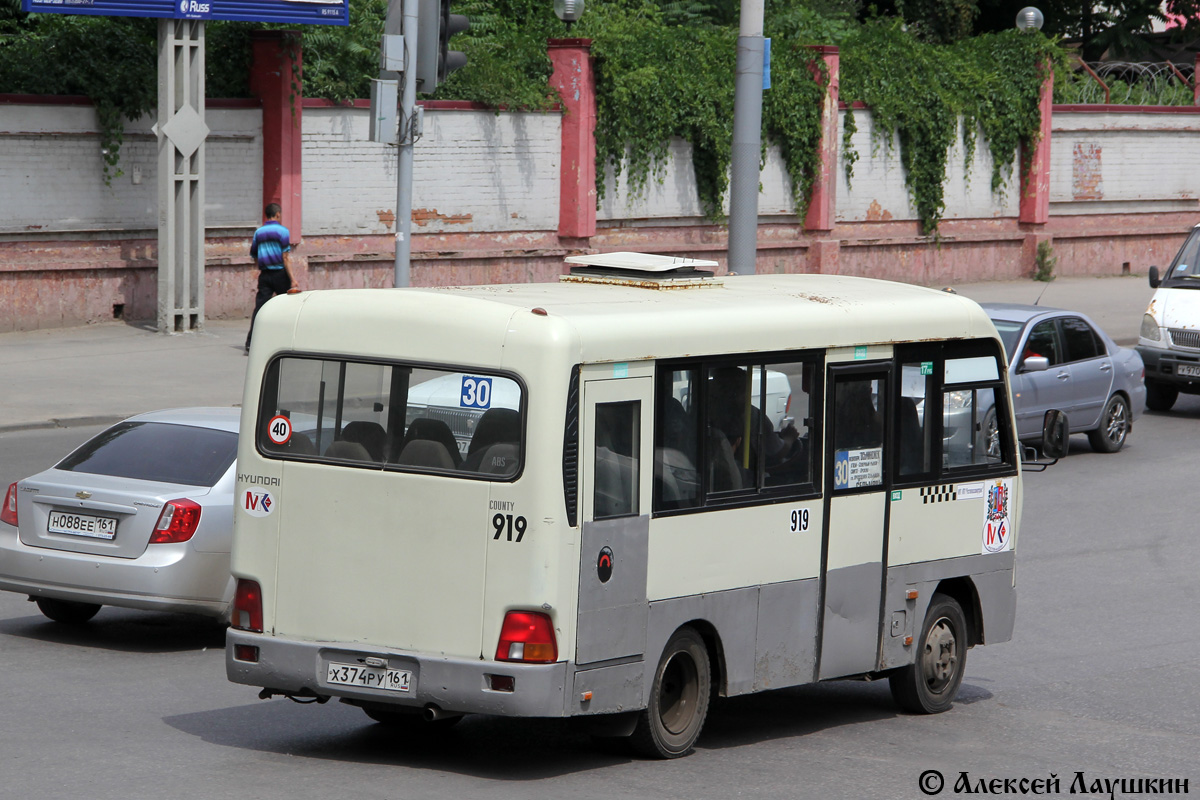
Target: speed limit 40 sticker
x=279, y=429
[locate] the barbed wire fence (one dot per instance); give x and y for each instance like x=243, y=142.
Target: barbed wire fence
x=1136, y=83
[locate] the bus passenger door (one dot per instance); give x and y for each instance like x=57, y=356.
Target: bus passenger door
x=853, y=552
x=615, y=466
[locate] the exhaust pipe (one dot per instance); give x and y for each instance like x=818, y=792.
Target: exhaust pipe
x=433, y=713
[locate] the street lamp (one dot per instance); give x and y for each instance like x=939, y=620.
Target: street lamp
x=1029, y=18
x=568, y=11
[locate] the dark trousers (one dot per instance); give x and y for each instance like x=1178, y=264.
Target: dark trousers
x=270, y=283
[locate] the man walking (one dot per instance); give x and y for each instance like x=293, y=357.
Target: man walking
x=271, y=250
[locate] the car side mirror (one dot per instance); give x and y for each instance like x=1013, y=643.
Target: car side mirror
x=1035, y=364
x=1054, y=434
x=1155, y=280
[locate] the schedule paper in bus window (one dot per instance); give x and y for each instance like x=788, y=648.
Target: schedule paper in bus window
x=854, y=469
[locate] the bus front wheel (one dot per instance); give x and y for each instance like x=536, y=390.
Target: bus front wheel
x=928, y=685
x=671, y=723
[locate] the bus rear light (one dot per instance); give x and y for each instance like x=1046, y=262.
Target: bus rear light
x=247, y=607
x=177, y=522
x=8, y=512
x=527, y=636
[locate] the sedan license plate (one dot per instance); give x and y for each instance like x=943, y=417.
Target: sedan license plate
x=1188, y=371
x=82, y=525
x=393, y=680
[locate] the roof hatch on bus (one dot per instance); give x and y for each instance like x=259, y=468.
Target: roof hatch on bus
x=642, y=270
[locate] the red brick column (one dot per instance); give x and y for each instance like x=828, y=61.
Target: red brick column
x=275, y=80
x=822, y=206
x=1196, y=82
x=572, y=77
x=1035, y=166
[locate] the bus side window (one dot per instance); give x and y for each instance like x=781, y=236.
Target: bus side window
x=616, y=477
x=915, y=446
x=676, y=481
x=971, y=420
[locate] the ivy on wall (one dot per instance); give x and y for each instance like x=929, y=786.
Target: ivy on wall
x=111, y=61
x=918, y=93
x=655, y=81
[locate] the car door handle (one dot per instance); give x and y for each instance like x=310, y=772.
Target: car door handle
x=1062, y=376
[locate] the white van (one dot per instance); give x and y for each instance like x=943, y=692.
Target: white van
x=1169, y=341
x=634, y=524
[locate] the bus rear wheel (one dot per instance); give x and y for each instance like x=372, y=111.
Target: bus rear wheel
x=674, y=717
x=928, y=685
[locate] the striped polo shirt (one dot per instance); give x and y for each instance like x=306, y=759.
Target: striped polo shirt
x=269, y=244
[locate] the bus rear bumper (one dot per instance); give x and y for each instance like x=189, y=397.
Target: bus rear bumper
x=453, y=685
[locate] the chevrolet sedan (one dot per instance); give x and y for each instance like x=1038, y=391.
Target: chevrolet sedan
x=139, y=516
x=1061, y=359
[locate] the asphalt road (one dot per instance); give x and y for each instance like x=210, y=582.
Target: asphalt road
x=1101, y=678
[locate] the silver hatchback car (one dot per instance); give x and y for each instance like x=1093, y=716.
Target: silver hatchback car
x=139, y=516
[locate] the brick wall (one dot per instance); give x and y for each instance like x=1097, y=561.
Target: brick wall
x=51, y=169
x=473, y=172
x=486, y=207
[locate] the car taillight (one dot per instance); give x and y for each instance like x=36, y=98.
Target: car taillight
x=8, y=512
x=527, y=636
x=177, y=522
x=247, y=607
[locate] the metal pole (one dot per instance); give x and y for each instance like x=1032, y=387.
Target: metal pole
x=404, y=150
x=747, y=141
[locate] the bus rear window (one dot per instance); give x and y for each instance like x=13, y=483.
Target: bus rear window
x=392, y=416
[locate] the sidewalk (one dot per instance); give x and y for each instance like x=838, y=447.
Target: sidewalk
x=99, y=374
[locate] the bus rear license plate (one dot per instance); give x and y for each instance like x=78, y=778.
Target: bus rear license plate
x=1188, y=371
x=393, y=680
x=82, y=525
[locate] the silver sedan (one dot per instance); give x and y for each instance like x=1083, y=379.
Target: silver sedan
x=1061, y=359
x=139, y=516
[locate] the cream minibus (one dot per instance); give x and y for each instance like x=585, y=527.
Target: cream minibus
x=615, y=496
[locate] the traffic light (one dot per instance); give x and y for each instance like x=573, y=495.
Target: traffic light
x=435, y=59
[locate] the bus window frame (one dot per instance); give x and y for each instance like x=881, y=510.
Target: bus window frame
x=755, y=496
x=268, y=390
x=938, y=353
x=886, y=368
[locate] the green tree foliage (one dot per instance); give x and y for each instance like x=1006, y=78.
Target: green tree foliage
x=1116, y=30
x=111, y=60
x=664, y=69
x=340, y=61
x=507, y=64
x=933, y=21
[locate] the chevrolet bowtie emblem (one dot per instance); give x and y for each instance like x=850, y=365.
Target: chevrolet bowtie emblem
x=83, y=495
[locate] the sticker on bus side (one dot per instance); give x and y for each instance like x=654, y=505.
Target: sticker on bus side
x=969, y=491
x=997, y=522
x=279, y=429
x=258, y=504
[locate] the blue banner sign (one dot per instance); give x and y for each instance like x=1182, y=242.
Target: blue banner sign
x=290, y=12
